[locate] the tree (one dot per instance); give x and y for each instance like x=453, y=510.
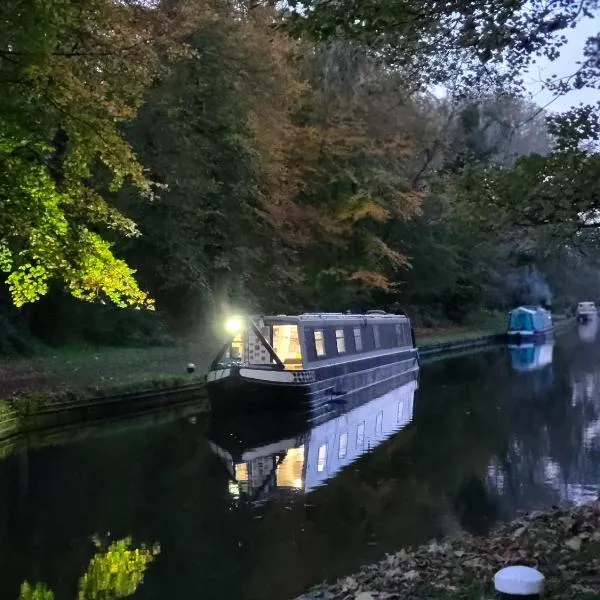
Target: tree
x=71, y=73
x=216, y=134
x=430, y=40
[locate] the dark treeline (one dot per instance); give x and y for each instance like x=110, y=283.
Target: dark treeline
x=197, y=156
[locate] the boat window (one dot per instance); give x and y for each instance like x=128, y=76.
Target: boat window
x=403, y=335
x=376, y=337
x=399, y=335
x=340, y=341
x=319, y=342
x=379, y=422
x=286, y=343
x=387, y=336
x=237, y=348
x=360, y=435
x=343, y=445
x=241, y=472
x=289, y=470
x=358, y=339
x=322, y=460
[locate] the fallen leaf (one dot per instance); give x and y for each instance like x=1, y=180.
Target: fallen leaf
x=574, y=543
x=364, y=596
x=519, y=532
x=349, y=583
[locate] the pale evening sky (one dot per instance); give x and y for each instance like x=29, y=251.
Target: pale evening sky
x=565, y=65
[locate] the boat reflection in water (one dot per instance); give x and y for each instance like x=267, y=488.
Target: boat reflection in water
x=534, y=361
x=304, y=462
x=588, y=330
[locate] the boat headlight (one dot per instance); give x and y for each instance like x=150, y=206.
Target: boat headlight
x=234, y=325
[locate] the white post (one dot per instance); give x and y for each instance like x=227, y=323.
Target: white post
x=519, y=583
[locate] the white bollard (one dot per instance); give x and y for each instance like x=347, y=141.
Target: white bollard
x=191, y=367
x=519, y=583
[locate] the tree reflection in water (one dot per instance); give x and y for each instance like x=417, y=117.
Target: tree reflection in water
x=37, y=592
x=113, y=573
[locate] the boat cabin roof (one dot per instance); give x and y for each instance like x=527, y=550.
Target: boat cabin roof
x=375, y=317
x=529, y=309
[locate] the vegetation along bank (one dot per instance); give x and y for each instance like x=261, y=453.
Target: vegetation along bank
x=563, y=545
x=187, y=158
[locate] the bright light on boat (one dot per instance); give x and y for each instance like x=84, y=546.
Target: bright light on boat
x=234, y=489
x=234, y=325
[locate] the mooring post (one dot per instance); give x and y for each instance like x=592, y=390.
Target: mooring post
x=519, y=583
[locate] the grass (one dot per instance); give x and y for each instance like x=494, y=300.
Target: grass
x=91, y=370
x=479, y=324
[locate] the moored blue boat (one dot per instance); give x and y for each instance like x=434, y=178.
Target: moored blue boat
x=527, y=323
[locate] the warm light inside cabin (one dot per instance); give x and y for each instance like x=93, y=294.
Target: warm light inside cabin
x=241, y=472
x=236, y=351
x=286, y=344
x=289, y=471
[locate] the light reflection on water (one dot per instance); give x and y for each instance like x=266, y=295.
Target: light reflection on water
x=483, y=437
x=314, y=456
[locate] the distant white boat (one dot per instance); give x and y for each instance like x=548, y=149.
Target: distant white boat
x=586, y=311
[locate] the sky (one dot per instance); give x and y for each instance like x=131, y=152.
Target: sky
x=565, y=65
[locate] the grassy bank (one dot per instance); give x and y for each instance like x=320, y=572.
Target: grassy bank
x=478, y=325
x=88, y=371
x=563, y=545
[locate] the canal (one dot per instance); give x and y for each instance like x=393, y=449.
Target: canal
x=484, y=437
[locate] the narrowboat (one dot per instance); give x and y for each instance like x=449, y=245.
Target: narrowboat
x=289, y=464
x=527, y=323
x=586, y=311
x=310, y=360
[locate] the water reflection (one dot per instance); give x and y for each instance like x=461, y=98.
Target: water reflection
x=531, y=357
x=534, y=363
x=588, y=330
x=553, y=454
x=308, y=460
x=483, y=444
x=114, y=572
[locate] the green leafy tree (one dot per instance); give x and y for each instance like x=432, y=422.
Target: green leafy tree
x=431, y=40
x=210, y=133
x=71, y=73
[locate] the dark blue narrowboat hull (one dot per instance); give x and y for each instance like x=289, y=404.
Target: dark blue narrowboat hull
x=535, y=337
x=331, y=385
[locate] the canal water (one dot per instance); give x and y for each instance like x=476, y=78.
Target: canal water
x=484, y=437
